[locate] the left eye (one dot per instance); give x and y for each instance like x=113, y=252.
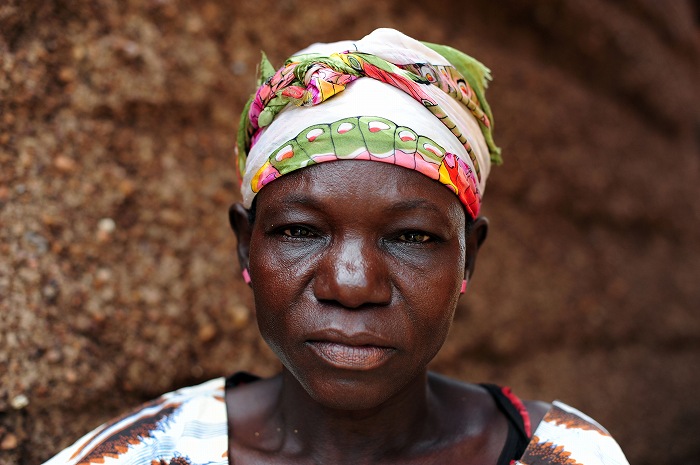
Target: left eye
x=415, y=237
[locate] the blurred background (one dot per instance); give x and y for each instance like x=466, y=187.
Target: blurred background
x=118, y=278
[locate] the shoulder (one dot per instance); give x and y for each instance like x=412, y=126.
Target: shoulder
x=487, y=399
x=537, y=410
x=184, y=426
x=562, y=434
x=568, y=434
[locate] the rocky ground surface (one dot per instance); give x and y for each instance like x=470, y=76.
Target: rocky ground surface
x=117, y=272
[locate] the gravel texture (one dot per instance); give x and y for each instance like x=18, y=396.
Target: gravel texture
x=118, y=278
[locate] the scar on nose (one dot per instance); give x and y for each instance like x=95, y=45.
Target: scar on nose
x=351, y=274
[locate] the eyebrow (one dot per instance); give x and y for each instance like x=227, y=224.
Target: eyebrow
x=291, y=200
x=298, y=199
x=413, y=204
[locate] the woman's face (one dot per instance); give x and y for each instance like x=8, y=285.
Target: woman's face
x=356, y=268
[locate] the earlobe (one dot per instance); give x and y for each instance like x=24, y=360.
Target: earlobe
x=246, y=276
x=240, y=224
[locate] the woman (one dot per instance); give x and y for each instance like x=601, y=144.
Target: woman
x=356, y=268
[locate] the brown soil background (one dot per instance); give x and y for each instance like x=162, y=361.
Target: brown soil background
x=117, y=272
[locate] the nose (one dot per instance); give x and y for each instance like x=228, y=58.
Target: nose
x=354, y=274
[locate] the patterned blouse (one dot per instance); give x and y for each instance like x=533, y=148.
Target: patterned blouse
x=189, y=427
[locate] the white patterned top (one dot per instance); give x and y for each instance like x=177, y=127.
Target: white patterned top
x=189, y=427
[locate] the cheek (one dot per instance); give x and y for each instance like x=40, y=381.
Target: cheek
x=277, y=263
x=279, y=281
x=433, y=279
x=433, y=296
x=434, y=322
x=269, y=283
x=275, y=324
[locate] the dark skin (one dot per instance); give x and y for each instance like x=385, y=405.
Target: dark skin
x=356, y=268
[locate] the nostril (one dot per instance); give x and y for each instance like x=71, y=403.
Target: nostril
x=352, y=288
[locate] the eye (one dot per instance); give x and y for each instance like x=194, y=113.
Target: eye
x=415, y=237
x=297, y=231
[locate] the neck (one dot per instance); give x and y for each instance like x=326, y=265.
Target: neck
x=350, y=436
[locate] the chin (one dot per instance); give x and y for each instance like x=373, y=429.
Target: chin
x=347, y=395
x=354, y=391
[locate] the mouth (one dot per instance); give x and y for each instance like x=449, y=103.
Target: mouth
x=352, y=357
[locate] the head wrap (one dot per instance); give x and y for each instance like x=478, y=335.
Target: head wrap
x=394, y=100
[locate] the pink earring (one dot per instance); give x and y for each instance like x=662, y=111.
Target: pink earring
x=464, y=287
x=246, y=275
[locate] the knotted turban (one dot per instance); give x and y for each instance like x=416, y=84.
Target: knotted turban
x=386, y=98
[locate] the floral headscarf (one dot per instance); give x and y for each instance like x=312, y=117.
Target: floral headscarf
x=422, y=108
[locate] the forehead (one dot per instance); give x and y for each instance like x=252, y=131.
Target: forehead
x=363, y=182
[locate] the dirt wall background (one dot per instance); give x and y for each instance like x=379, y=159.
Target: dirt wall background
x=117, y=272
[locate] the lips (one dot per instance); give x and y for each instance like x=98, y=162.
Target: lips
x=365, y=357
x=356, y=350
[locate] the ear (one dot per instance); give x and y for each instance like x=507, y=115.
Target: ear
x=475, y=239
x=239, y=220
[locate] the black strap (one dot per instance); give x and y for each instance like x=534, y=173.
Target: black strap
x=517, y=440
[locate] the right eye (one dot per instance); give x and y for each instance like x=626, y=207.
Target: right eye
x=297, y=231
